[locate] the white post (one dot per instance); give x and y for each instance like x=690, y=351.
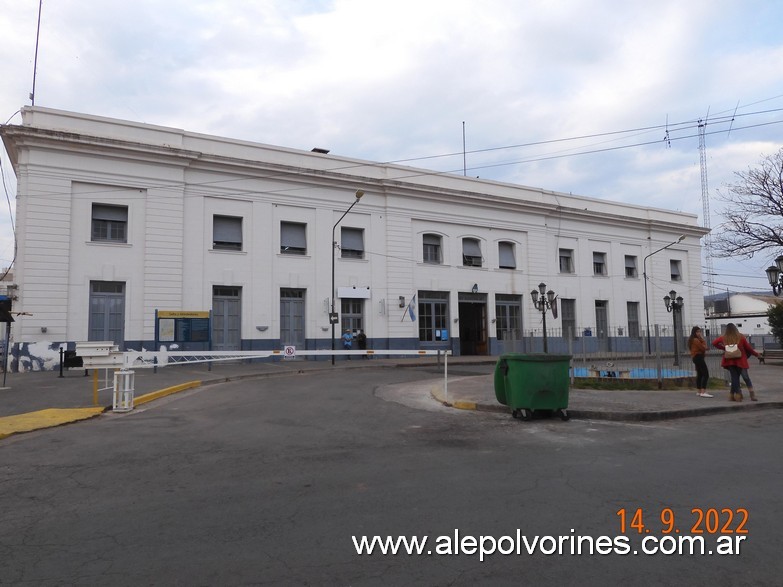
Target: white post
x=124, y=385
x=446, y=376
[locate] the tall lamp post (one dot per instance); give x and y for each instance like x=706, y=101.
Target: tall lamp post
x=543, y=300
x=644, y=272
x=775, y=276
x=674, y=305
x=333, y=318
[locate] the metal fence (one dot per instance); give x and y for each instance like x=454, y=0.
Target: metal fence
x=615, y=353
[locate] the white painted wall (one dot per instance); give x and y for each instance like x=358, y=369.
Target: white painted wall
x=174, y=182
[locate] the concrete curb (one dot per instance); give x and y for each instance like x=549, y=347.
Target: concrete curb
x=152, y=396
x=437, y=393
x=53, y=417
x=48, y=418
x=670, y=414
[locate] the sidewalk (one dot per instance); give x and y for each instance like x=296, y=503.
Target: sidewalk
x=477, y=393
x=35, y=400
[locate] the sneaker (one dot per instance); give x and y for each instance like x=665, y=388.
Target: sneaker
x=704, y=394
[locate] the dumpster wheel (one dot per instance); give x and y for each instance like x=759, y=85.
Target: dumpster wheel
x=563, y=415
x=522, y=414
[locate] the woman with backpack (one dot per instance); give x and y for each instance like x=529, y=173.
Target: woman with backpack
x=736, y=350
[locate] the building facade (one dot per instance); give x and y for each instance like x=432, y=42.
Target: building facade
x=120, y=223
x=748, y=311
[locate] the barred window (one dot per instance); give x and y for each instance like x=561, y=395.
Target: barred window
x=568, y=317
x=633, y=319
x=433, y=316
x=352, y=314
x=508, y=317
x=109, y=223
x=432, y=249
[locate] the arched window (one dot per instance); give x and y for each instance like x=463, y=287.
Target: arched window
x=471, y=252
x=432, y=249
x=506, y=256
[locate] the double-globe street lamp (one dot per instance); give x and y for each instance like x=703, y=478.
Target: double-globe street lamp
x=543, y=300
x=644, y=273
x=674, y=305
x=775, y=276
x=333, y=317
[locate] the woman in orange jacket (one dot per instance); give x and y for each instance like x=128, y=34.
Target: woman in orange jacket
x=698, y=348
x=735, y=365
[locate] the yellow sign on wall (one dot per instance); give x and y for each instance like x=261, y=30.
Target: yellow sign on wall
x=182, y=314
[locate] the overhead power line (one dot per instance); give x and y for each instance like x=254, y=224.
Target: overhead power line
x=671, y=127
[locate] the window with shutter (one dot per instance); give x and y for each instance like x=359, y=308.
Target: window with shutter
x=352, y=243
x=566, y=259
x=599, y=263
x=676, y=270
x=109, y=223
x=630, y=266
x=293, y=238
x=471, y=252
x=506, y=255
x=227, y=233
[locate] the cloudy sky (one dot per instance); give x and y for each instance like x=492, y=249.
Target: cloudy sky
x=598, y=98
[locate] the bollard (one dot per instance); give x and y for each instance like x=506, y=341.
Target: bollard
x=123, y=390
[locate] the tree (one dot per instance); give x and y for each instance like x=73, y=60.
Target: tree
x=754, y=216
x=775, y=318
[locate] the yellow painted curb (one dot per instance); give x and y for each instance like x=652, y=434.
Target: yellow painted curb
x=463, y=405
x=143, y=399
x=45, y=419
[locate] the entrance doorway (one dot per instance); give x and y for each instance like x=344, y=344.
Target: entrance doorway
x=292, y=317
x=107, y=311
x=226, y=318
x=602, y=324
x=473, y=324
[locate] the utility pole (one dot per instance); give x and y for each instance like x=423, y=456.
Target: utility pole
x=705, y=202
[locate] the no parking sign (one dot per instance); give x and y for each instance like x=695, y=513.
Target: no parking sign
x=289, y=352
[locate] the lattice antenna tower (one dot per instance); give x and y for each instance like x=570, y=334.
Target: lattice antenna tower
x=705, y=201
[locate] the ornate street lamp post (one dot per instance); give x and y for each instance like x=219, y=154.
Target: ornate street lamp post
x=333, y=318
x=775, y=276
x=674, y=305
x=543, y=300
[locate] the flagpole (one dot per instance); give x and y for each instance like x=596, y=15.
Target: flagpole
x=35, y=61
x=409, y=310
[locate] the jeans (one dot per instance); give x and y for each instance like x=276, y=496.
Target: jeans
x=746, y=378
x=702, y=373
x=735, y=372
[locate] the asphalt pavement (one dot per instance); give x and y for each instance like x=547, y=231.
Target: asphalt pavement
x=35, y=400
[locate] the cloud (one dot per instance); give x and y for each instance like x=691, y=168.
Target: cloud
x=392, y=81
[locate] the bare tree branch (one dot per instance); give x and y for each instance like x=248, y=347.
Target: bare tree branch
x=754, y=218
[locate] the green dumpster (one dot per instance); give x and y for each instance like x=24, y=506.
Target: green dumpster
x=527, y=383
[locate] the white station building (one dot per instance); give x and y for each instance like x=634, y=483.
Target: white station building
x=151, y=236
